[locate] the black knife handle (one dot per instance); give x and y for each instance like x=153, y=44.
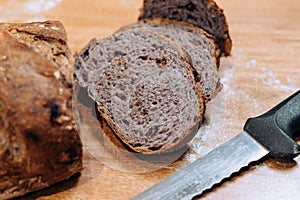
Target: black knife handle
x=276, y=129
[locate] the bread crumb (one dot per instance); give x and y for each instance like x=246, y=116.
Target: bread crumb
x=4, y=57
x=63, y=119
x=54, y=27
x=69, y=127
x=66, y=118
x=57, y=74
x=61, y=91
x=5, y=79
x=42, y=26
x=13, y=31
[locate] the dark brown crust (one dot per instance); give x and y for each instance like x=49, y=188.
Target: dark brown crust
x=40, y=145
x=52, y=30
x=214, y=13
x=211, y=38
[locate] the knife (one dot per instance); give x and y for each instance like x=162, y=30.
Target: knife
x=268, y=135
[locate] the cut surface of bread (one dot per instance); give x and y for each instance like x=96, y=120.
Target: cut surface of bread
x=146, y=93
x=198, y=44
x=205, y=14
x=106, y=146
x=97, y=53
x=39, y=145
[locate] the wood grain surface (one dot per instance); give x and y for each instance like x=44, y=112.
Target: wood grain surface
x=264, y=68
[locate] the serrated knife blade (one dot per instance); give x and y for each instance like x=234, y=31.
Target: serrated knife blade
x=267, y=135
x=209, y=170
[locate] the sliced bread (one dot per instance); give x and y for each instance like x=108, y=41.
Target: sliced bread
x=199, y=45
x=146, y=90
x=96, y=56
x=205, y=14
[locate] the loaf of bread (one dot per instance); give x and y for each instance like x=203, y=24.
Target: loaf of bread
x=145, y=89
x=205, y=14
x=39, y=145
x=200, y=46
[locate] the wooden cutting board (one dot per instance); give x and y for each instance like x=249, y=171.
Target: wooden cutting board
x=263, y=69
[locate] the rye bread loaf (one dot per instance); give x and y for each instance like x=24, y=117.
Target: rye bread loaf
x=199, y=45
x=144, y=88
x=39, y=145
x=205, y=14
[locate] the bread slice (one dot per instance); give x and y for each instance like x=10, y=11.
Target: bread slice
x=100, y=53
x=39, y=145
x=199, y=45
x=205, y=14
x=112, y=151
x=145, y=91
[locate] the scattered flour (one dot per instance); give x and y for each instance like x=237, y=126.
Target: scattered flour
x=227, y=77
x=28, y=10
x=270, y=79
x=37, y=6
x=36, y=19
x=128, y=4
x=251, y=63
